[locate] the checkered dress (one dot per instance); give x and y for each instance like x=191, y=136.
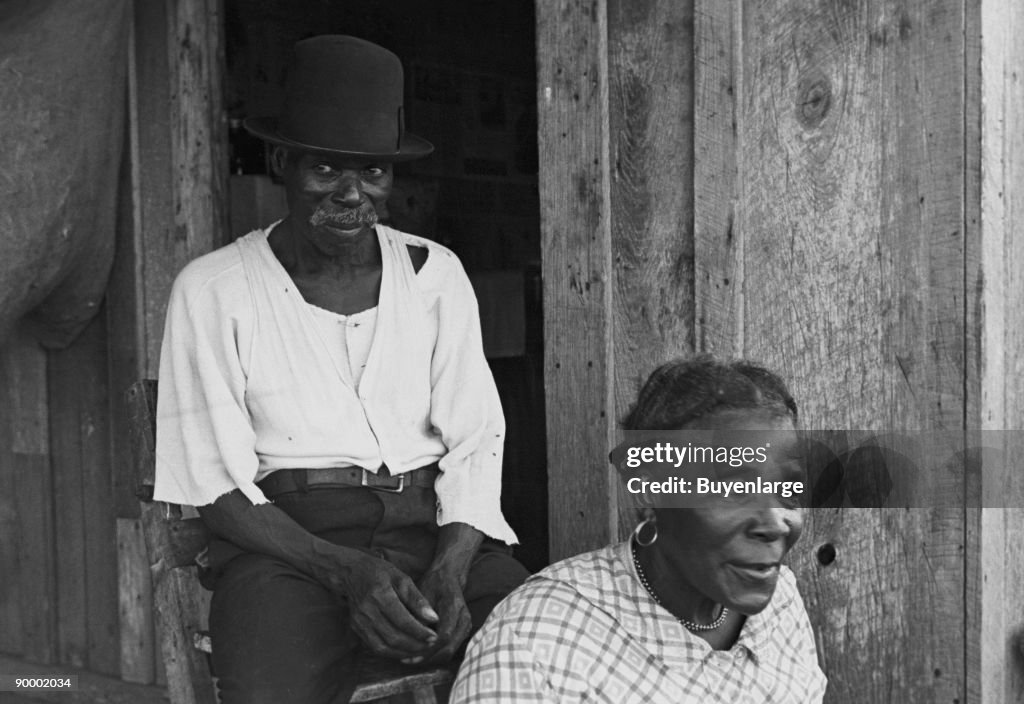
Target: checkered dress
x=585, y=630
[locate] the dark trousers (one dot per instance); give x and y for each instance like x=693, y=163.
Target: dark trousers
x=280, y=636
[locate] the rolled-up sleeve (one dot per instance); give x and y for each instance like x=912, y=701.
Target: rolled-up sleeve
x=205, y=444
x=466, y=411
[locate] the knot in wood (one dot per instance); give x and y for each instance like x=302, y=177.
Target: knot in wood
x=814, y=98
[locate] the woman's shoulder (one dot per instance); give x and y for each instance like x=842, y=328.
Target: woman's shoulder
x=564, y=583
x=583, y=568
x=592, y=582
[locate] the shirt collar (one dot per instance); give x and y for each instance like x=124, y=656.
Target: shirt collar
x=755, y=634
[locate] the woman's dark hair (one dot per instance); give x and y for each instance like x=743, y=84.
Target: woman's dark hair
x=681, y=391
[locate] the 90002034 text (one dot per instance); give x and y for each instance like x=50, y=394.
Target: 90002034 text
x=17, y=683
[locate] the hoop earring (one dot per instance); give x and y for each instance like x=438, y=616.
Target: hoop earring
x=639, y=529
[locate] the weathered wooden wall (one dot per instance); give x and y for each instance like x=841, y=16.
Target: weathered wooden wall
x=827, y=188
x=851, y=163
x=76, y=589
x=995, y=326
x=572, y=80
x=177, y=191
x=58, y=599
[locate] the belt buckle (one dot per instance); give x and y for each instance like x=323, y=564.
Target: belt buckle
x=391, y=490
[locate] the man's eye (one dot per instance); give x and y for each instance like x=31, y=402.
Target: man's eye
x=323, y=170
x=373, y=171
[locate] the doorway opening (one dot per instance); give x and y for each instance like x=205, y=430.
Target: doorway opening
x=470, y=77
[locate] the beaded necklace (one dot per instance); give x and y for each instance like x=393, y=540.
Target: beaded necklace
x=689, y=625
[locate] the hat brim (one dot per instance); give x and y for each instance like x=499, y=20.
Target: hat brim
x=266, y=128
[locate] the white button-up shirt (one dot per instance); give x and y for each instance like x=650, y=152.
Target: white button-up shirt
x=249, y=384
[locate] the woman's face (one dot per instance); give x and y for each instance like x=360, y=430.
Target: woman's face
x=730, y=548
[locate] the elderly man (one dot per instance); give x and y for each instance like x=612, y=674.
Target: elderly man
x=325, y=403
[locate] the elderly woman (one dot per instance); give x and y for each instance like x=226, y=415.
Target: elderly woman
x=696, y=606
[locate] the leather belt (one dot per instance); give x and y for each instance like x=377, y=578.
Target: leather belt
x=285, y=481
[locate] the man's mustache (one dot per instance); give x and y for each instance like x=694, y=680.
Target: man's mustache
x=364, y=214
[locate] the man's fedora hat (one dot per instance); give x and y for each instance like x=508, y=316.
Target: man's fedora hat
x=343, y=96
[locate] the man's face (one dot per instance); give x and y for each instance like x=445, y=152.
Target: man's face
x=335, y=201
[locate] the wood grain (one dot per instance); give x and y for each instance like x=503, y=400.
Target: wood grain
x=179, y=195
x=24, y=375
x=717, y=285
x=572, y=85
x=851, y=141
x=69, y=509
x=995, y=313
x=123, y=305
x=10, y=526
x=155, y=263
x=94, y=433
x=86, y=552
x=650, y=107
x=135, y=604
x=179, y=155
x=650, y=54
x=140, y=281
x=857, y=172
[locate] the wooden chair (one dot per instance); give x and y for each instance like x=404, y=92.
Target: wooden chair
x=175, y=545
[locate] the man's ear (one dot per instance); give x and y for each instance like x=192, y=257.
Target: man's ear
x=278, y=160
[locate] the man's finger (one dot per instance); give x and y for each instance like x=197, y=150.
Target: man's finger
x=383, y=639
x=398, y=616
x=395, y=627
x=452, y=615
x=453, y=637
x=415, y=602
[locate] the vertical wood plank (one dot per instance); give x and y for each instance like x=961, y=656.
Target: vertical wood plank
x=851, y=158
x=717, y=233
x=179, y=155
x=179, y=192
x=198, y=133
x=24, y=372
x=64, y=375
x=572, y=102
x=94, y=432
x=10, y=526
x=135, y=600
x=650, y=108
x=156, y=241
x=650, y=54
x=135, y=317
x=86, y=552
x=123, y=307
x=995, y=325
